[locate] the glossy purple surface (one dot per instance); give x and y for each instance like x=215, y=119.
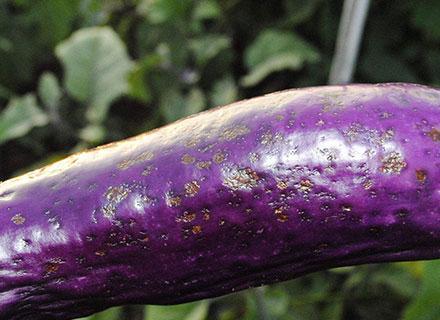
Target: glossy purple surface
x=256, y=192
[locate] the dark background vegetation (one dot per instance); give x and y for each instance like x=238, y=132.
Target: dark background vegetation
x=78, y=73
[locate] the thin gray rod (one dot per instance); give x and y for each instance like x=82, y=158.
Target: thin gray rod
x=351, y=27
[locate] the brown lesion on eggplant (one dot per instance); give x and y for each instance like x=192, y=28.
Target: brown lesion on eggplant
x=191, y=188
x=188, y=159
x=281, y=214
x=187, y=217
x=172, y=199
x=18, y=219
x=393, y=163
x=203, y=164
x=434, y=134
x=147, y=170
x=240, y=178
x=114, y=196
x=234, y=132
x=219, y=157
x=421, y=175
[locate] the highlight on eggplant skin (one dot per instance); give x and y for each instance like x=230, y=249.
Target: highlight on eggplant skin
x=253, y=193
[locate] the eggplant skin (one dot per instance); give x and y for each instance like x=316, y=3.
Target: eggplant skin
x=256, y=192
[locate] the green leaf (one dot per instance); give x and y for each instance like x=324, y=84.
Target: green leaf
x=208, y=47
x=174, y=105
x=275, y=50
x=20, y=116
x=299, y=11
x=426, y=305
x=425, y=18
x=49, y=90
x=96, y=67
x=206, y=9
x=224, y=92
x=187, y=311
x=109, y=314
x=161, y=11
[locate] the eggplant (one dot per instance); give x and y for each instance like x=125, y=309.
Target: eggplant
x=253, y=193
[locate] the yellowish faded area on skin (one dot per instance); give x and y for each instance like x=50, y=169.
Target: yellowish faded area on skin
x=128, y=163
x=234, y=132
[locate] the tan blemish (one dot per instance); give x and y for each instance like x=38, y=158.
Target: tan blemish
x=147, y=171
x=191, y=143
x=421, y=175
x=196, y=229
x=188, y=159
x=219, y=157
x=434, y=134
x=279, y=117
x=172, y=200
x=268, y=138
x=234, y=132
x=53, y=265
x=281, y=216
x=282, y=185
x=18, y=219
x=186, y=217
x=206, y=214
x=114, y=196
x=191, y=188
x=305, y=185
x=393, y=163
x=100, y=253
x=203, y=164
x=144, y=156
x=367, y=184
x=244, y=178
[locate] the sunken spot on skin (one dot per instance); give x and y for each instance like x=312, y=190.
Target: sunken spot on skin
x=393, y=163
x=281, y=215
x=192, y=188
x=219, y=157
x=172, y=200
x=188, y=159
x=421, y=175
x=234, y=132
x=434, y=134
x=18, y=219
x=240, y=178
x=114, y=196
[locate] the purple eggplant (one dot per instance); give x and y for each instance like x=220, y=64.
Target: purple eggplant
x=252, y=193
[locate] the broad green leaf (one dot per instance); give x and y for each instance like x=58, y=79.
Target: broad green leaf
x=224, y=92
x=160, y=11
x=187, y=311
x=20, y=116
x=208, y=47
x=275, y=50
x=174, y=105
x=49, y=90
x=206, y=9
x=299, y=11
x=96, y=67
x=426, y=305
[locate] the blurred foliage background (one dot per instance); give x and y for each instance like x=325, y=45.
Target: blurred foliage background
x=78, y=73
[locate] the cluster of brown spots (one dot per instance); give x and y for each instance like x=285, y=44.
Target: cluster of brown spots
x=192, y=188
x=188, y=159
x=434, y=134
x=421, y=175
x=144, y=156
x=305, y=185
x=234, y=132
x=53, y=265
x=281, y=215
x=18, y=219
x=219, y=157
x=196, y=229
x=393, y=163
x=114, y=196
x=203, y=164
x=243, y=178
x=147, y=170
x=172, y=200
x=206, y=214
x=282, y=185
x=268, y=138
x=186, y=217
